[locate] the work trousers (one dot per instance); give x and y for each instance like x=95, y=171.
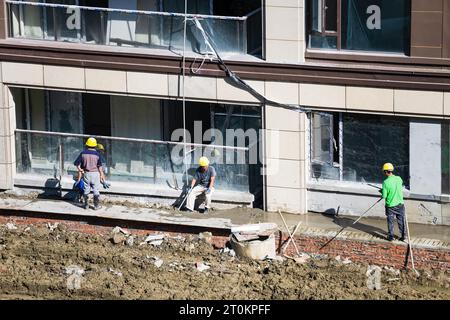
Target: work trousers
x=392, y=213
x=92, y=182
x=197, y=191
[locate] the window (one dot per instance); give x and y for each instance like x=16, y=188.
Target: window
x=365, y=25
x=235, y=27
x=350, y=147
x=51, y=125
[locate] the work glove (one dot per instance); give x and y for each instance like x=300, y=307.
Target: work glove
x=106, y=184
x=208, y=191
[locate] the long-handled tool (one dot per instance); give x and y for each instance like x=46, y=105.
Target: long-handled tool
x=290, y=239
x=184, y=199
x=289, y=233
x=410, y=251
x=365, y=212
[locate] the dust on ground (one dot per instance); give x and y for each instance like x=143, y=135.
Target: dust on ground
x=34, y=261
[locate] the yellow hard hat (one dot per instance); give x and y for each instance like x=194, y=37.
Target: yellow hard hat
x=203, y=162
x=91, y=142
x=100, y=147
x=215, y=153
x=388, y=167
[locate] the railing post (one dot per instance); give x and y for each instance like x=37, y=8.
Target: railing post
x=245, y=36
x=155, y=157
x=55, y=34
x=102, y=27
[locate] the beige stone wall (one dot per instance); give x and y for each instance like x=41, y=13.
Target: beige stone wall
x=285, y=138
x=7, y=147
x=210, y=89
x=285, y=33
x=285, y=142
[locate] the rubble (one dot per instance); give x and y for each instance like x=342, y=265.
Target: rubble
x=373, y=275
x=246, y=245
x=120, y=230
x=205, y=236
x=346, y=261
x=130, y=241
x=392, y=279
x=179, y=238
x=228, y=251
x=119, y=238
x=158, y=263
x=116, y=272
x=119, y=235
x=153, y=239
x=275, y=258
x=302, y=258
x=75, y=275
x=392, y=270
x=150, y=271
x=11, y=226
x=52, y=226
x=200, y=266
x=74, y=269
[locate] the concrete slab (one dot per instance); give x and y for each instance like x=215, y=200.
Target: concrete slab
x=113, y=212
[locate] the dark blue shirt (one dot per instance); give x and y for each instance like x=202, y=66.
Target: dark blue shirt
x=204, y=178
x=89, y=160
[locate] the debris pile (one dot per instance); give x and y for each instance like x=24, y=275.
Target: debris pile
x=254, y=241
x=153, y=239
x=189, y=267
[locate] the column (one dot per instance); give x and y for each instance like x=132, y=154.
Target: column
x=285, y=36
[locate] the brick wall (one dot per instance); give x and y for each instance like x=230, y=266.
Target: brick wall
x=383, y=254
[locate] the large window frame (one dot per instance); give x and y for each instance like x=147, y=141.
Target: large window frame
x=329, y=164
x=325, y=32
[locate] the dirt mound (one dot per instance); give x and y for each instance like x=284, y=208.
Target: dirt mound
x=36, y=262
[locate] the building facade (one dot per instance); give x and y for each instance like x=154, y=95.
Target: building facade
x=375, y=75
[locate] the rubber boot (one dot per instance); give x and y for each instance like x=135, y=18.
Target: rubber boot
x=85, y=201
x=97, y=203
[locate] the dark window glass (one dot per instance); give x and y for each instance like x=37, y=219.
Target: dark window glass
x=331, y=10
x=367, y=143
x=371, y=141
x=375, y=25
x=328, y=42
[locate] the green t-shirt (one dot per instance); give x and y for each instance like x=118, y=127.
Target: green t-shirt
x=392, y=191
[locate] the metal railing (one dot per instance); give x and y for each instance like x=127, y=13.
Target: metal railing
x=130, y=160
x=135, y=28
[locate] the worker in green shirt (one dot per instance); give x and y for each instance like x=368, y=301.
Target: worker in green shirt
x=392, y=193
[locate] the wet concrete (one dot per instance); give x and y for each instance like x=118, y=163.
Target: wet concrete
x=371, y=225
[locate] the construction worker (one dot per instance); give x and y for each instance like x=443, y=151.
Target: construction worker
x=202, y=184
x=392, y=193
x=89, y=165
x=102, y=151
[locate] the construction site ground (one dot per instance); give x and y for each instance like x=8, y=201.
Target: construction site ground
x=34, y=262
x=37, y=262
